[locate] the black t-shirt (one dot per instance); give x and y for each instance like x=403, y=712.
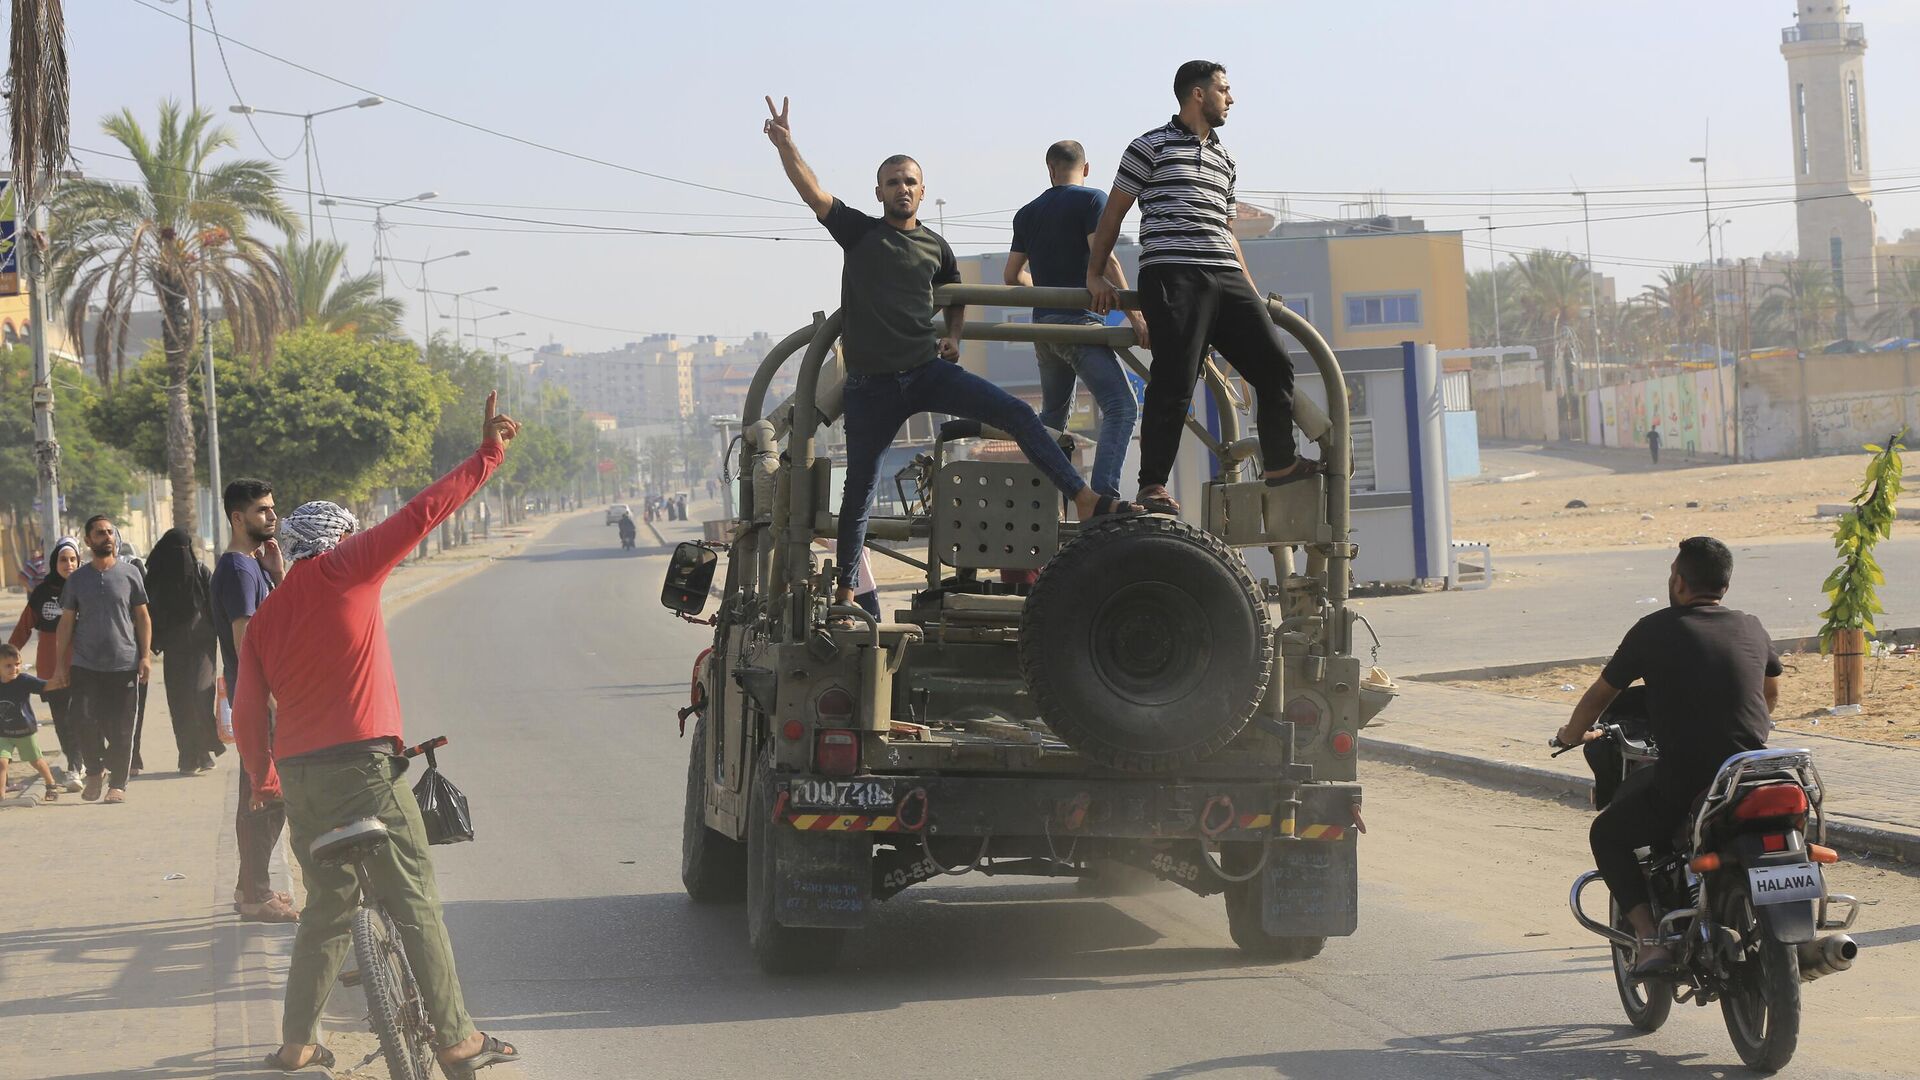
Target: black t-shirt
x=886, y=290
x=1705, y=668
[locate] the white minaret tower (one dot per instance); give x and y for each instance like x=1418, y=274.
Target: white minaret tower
x=1827, y=101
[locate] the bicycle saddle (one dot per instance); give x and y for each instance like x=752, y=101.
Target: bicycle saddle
x=349, y=842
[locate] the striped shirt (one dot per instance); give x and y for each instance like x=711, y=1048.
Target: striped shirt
x=1185, y=190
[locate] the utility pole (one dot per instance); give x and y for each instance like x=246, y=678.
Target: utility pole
x=1499, y=358
x=46, y=448
x=1593, y=287
x=1728, y=424
x=214, y=486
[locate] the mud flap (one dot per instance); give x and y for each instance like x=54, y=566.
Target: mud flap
x=1792, y=923
x=1311, y=889
x=821, y=880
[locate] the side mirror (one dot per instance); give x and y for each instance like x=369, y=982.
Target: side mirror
x=689, y=579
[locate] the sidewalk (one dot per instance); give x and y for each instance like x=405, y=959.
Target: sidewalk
x=120, y=954
x=1873, y=796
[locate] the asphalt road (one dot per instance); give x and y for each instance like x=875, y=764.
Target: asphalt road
x=556, y=674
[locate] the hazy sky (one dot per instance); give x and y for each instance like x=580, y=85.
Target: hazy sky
x=1433, y=104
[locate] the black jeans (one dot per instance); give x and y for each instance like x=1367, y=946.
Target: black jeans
x=103, y=712
x=1187, y=309
x=1641, y=814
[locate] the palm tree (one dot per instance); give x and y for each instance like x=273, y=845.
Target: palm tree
x=1681, y=301
x=335, y=302
x=1899, y=296
x=1802, y=307
x=1551, y=295
x=37, y=95
x=181, y=229
x=1481, y=305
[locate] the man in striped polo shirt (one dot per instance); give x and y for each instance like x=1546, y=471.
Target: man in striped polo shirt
x=1195, y=289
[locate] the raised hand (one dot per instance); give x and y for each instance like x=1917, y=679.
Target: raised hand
x=496, y=428
x=777, y=129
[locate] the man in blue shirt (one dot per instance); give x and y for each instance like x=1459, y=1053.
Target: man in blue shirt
x=1050, y=242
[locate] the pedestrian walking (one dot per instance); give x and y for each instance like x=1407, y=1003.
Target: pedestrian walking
x=1653, y=441
x=242, y=577
x=1051, y=235
x=18, y=724
x=42, y=616
x=1195, y=289
x=180, y=600
x=318, y=648
x=105, y=656
x=898, y=363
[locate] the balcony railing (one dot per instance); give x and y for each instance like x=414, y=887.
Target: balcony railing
x=1852, y=33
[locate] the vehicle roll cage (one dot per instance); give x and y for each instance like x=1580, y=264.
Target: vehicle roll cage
x=816, y=401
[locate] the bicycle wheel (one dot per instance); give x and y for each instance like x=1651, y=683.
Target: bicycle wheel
x=394, y=1006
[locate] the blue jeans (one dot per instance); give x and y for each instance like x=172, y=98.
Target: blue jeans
x=875, y=406
x=1099, y=367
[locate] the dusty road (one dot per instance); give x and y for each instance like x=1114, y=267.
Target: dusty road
x=557, y=675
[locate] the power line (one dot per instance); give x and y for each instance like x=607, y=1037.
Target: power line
x=221, y=48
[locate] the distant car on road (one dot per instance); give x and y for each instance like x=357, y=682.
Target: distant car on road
x=618, y=511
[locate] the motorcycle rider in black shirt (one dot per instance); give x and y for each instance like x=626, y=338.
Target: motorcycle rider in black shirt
x=1712, y=679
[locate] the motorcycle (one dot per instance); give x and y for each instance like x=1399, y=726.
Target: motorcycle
x=1739, y=895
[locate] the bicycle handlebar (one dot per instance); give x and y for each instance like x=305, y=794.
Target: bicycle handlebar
x=434, y=743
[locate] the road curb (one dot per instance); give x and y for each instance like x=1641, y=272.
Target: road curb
x=1536, y=780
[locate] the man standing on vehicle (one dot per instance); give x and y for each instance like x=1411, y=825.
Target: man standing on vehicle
x=1712, y=682
x=1195, y=288
x=1051, y=236
x=898, y=364
x=104, y=652
x=318, y=648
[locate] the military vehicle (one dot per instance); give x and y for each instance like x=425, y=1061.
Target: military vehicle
x=1145, y=702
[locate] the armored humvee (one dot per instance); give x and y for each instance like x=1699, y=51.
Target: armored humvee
x=1145, y=702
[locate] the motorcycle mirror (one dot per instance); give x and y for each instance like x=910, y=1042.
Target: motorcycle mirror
x=689, y=579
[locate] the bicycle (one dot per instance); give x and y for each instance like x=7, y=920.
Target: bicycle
x=395, y=1009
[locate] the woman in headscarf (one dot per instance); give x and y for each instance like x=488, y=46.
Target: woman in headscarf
x=42, y=615
x=181, y=603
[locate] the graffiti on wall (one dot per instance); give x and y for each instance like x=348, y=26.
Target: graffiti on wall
x=1841, y=424
x=1686, y=407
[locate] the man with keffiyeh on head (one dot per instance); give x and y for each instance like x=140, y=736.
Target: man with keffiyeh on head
x=318, y=648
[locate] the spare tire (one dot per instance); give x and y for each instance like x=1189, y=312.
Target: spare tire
x=1146, y=644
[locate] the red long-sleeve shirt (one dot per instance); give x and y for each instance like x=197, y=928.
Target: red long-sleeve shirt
x=318, y=645
x=44, y=660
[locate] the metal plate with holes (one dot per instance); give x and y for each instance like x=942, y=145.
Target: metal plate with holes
x=998, y=515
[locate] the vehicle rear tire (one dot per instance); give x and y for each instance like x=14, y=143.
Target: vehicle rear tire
x=393, y=1000
x=1648, y=1004
x=713, y=867
x=1146, y=644
x=1244, y=922
x=779, y=950
x=1762, y=1006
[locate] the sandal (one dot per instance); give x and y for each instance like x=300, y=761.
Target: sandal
x=273, y=910
x=492, y=1052
x=116, y=795
x=1158, y=504
x=52, y=794
x=1306, y=467
x=322, y=1060
x=1111, y=506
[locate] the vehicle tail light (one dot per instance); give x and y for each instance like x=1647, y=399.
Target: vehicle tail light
x=834, y=705
x=1821, y=854
x=1342, y=743
x=1771, y=801
x=836, y=753
x=792, y=730
x=1704, y=864
x=1303, y=712
x=1773, y=842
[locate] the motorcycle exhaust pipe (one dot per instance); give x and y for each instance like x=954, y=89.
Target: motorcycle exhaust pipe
x=1824, y=956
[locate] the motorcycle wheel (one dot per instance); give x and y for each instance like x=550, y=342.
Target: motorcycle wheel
x=1762, y=1000
x=1648, y=1003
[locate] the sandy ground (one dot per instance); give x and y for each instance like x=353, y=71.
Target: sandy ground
x=1891, y=712
x=1762, y=499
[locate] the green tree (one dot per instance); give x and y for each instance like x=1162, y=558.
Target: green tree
x=1551, y=294
x=1480, y=307
x=1852, y=588
x=186, y=225
x=1681, y=302
x=324, y=295
x=1899, y=296
x=1802, y=308
x=334, y=419
x=94, y=478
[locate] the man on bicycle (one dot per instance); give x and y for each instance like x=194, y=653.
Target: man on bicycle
x=318, y=649
x=1712, y=682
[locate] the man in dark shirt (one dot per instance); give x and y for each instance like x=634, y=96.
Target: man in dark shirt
x=886, y=298
x=1050, y=243
x=1712, y=682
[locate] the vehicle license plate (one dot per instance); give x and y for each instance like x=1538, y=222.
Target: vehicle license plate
x=1782, y=884
x=857, y=795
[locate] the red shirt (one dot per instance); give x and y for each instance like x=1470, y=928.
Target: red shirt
x=318, y=645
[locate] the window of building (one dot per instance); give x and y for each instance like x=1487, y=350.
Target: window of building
x=1853, y=123
x=1387, y=309
x=1301, y=305
x=1800, y=120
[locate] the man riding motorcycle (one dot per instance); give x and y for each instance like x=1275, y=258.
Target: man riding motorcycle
x=627, y=529
x=1713, y=680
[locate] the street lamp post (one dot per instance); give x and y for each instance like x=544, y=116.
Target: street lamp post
x=426, y=325
x=457, y=297
x=380, y=224
x=1727, y=440
x=474, y=324
x=1593, y=288
x=1499, y=358
x=306, y=135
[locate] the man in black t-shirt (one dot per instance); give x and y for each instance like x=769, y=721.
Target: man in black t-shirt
x=1712, y=682
x=891, y=346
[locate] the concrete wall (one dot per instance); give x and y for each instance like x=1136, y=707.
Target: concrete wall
x=1793, y=407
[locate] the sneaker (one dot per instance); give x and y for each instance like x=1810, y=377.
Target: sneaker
x=72, y=782
x=95, y=785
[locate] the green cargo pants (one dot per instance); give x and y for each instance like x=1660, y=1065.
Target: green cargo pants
x=325, y=795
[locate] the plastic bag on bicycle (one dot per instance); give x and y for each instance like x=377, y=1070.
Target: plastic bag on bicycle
x=443, y=808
